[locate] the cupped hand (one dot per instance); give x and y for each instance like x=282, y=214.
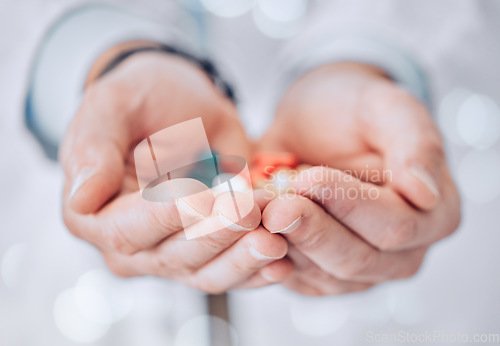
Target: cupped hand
x=102, y=202
x=384, y=193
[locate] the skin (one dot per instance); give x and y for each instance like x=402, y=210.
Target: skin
x=361, y=121
x=102, y=203
x=334, y=245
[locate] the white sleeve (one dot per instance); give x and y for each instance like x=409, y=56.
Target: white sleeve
x=364, y=48
x=384, y=33
x=65, y=56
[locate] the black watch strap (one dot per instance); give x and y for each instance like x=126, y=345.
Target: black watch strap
x=205, y=64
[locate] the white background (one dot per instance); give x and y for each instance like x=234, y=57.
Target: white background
x=457, y=290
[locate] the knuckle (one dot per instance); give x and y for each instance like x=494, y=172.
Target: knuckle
x=359, y=267
x=242, y=269
x=345, y=208
x=313, y=240
x=117, y=242
x=398, y=235
x=167, y=267
x=163, y=218
x=214, y=242
x=113, y=241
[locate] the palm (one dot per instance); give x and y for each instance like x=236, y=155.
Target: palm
x=147, y=94
x=319, y=122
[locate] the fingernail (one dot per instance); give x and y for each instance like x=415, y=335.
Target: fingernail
x=421, y=173
x=291, y=227
x=312, y=191
x=185, y=208
x=268, y=278
x=232, y=225
x=258, y=256
x=85, y=174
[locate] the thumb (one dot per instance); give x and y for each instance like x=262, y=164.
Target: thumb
x=93, y=155
x=402, y=131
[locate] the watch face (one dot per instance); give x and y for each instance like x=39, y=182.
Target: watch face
x=176, y=165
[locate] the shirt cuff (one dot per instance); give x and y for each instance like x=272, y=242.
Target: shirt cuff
x=369, y=50
x=65, y=56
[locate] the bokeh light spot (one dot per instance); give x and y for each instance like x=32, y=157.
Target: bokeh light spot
x=115, y=294
x=280, y=19
x=479, y=176
x=12, y=265
x=469, y=119
x=283, y=10
x=72, y=322
x=478, y=121
x=228, y=8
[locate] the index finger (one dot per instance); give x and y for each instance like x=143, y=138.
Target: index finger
x=377, y=213
x=333, y=247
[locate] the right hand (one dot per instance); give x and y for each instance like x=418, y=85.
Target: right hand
x=102, y=202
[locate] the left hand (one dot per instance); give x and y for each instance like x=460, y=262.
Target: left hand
x=352, y=117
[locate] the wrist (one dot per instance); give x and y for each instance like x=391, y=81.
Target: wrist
x=115, y=56
x=109, y=55
x=350, y=69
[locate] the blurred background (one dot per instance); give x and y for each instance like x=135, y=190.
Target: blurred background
x=55, y=289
